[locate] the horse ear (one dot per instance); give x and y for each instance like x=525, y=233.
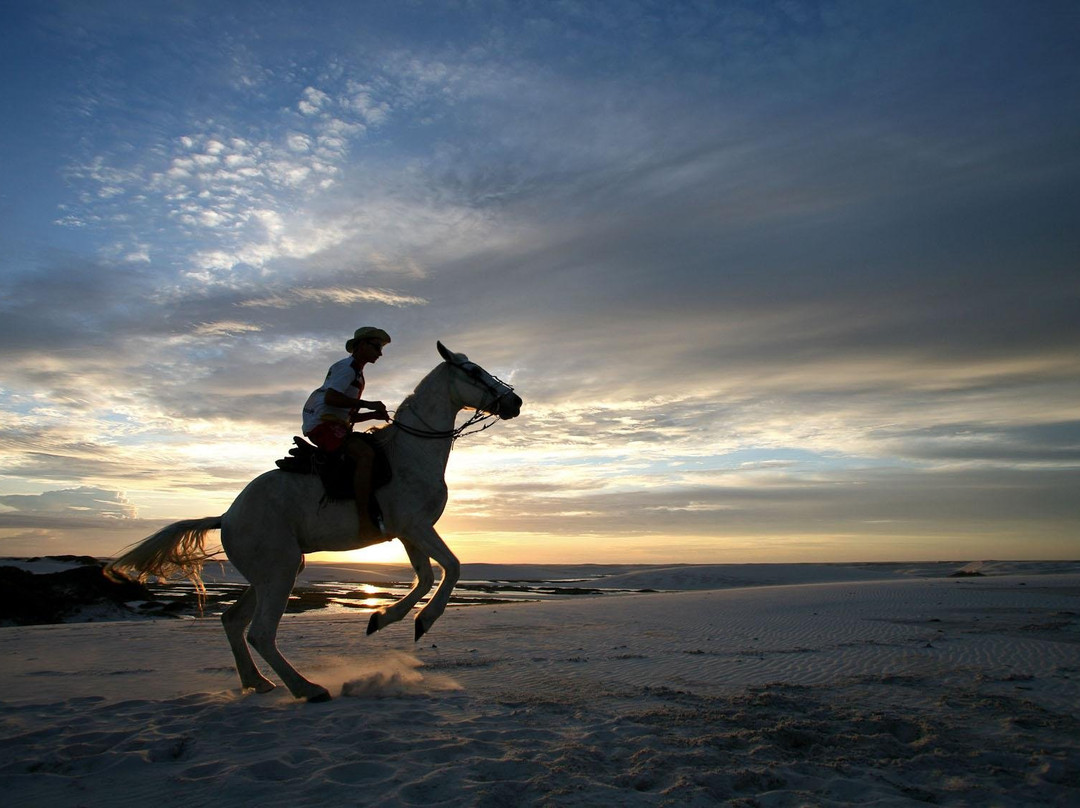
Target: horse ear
x=444, y=353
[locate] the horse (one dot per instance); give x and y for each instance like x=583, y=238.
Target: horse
x=280, y=517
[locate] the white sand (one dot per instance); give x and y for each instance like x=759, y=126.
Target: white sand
x=900, y=691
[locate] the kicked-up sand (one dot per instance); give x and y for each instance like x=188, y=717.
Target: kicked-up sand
x=895, y=691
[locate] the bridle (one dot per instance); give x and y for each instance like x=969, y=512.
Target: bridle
x=476, y=374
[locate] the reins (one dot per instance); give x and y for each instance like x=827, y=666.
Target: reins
x=452, y=434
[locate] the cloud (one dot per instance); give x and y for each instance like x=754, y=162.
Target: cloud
x=81, y=503
x=1044, y=445
x=233, y=184
x=337, y=296
x=866, y=502
x=224, y=328
x=312, y=101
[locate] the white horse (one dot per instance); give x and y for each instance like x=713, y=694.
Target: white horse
x=279, y=517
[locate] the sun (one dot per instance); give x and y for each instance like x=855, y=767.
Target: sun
x=389, y=552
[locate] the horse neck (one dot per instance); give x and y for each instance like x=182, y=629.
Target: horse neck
x=430, y=409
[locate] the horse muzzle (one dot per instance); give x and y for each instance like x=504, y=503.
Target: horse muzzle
x=509, y=406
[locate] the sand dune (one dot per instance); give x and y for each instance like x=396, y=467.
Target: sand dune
x=898, y=691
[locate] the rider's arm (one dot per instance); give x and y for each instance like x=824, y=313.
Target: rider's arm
x=335, y=398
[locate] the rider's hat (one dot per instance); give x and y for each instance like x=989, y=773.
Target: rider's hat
x=367, y=332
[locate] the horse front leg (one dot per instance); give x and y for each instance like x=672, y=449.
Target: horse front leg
x=431, y=543
x=425, y=578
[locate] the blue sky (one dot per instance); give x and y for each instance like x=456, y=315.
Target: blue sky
x=776, y=282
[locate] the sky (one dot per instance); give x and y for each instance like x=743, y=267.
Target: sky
x=782, y=282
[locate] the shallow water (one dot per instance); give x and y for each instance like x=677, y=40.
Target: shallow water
x=343, y=597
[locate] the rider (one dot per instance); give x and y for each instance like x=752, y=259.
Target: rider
x=331, y=411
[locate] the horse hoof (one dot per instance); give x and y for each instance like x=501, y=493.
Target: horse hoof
x=373, y=623
x=421, y=629
x=318, y=698
x=264, y=686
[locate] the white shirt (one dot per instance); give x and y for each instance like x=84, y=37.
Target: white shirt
x=342, y=377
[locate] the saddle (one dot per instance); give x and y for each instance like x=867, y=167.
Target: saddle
x=335, y=469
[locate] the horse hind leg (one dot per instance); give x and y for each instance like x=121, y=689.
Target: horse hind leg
x=273, y=596
x=236, y=619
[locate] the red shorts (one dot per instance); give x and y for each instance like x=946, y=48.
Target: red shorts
x=329, y=435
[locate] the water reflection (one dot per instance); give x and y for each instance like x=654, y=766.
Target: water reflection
x=343, y=597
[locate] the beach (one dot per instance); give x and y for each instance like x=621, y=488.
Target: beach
x=832, y=685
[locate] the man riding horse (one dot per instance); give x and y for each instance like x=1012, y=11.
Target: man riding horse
x=331, y=411
x=279, y=518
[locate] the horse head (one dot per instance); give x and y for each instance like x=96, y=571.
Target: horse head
x=474, y=387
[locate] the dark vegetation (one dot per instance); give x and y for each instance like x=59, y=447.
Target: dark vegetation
x=27, y=598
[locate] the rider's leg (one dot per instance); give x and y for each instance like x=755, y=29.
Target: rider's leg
x=364, y=455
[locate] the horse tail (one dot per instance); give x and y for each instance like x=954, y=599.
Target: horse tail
x=175, y=550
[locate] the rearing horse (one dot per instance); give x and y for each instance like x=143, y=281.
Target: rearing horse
x=278, y=518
